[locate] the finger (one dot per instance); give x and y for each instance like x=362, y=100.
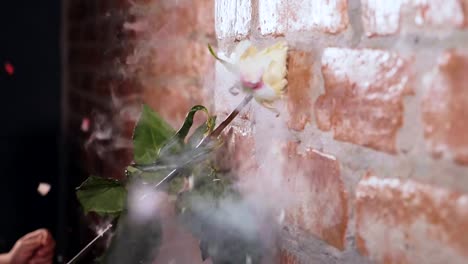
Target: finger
x=46, y=260
x=40, y=259
x=33, y=235
x=48, y=238
x=24, y=254
x=46, y=250
x=29, y=244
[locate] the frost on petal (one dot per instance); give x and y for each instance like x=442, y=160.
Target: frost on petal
x=228, y=63
x=242, y=49
x=252, y=68
x=275, y=74
x=265, y=94
x=262, y=73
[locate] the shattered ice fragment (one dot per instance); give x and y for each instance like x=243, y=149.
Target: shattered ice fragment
x=43, y=189
x=85, y=124
x=281, y=216
x=248, y=260
x=10, y=70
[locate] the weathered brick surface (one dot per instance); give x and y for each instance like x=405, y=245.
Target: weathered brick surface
x=363, y=99
x=151, y=51
x=299, y=89
x=180, y=56
x=154, y=51
x=237, y=154
x=319, y=202
x=162, y=99
x=287, y=258
x=233, y=18
x=384, y=17
x=381, y=17
x=205, y=17
x=281, y=16
x=178, y=245
x=408, y=222
x=171, y=58
x=439, y=13
x=445, y=108
x=173, y=82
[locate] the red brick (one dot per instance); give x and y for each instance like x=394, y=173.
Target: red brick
x=408, y=222
x=75, y=33
x=384, y=17
x=205, y=16
x=104, y=6
x=465, y=12
x=363, y=99
x=439, y=12
x=90, y=32
x=299, y=97
x=178, y=244
x=163, y=20
x=114, y=161
x=287, y=258
x=177, y=20
x=445, y=108
x=238, y=153
x=319, y=204
x=86, y=56
x=172, y=100
x=181, y=56
x=171, y=20
x=170, y=61
x=80, y=10
x=381, y=17
x=281, y=16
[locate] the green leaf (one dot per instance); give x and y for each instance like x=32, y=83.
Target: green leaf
x=102, y=196
x=131, y=171
x=202, y=131
x=213, y=53
x=151, y=133
x=155, y=176
x=185, y=129
x=176, y=144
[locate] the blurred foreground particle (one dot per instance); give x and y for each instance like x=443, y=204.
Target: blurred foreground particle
x=85, y=123
x=43, y=189
x=10, y=70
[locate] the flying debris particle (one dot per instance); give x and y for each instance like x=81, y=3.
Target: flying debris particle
x=85, y=123
x=281, y=216
x=138, y=26
x=10, y=70
x=234, y=90
x=248, y=260
x=43, y=189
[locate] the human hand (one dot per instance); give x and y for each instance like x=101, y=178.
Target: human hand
x=24, y=248
x=45, y=253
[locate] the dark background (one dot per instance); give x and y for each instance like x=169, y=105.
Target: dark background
x=31, y=113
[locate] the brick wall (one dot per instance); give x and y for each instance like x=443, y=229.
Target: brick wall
x=118, y=55
x=372, y=131
x=122, y=53
x=369, y=150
